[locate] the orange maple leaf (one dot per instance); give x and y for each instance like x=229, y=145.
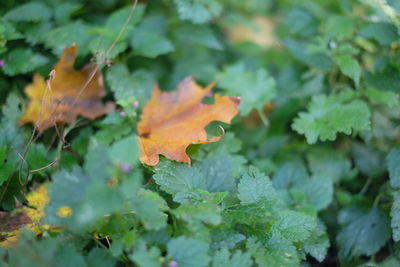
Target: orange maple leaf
x=171, y=121
x=68, y=94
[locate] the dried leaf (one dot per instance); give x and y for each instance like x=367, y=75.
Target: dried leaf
x=11, y=222
x=68, y=94
x=263, y=34
x=171, y=121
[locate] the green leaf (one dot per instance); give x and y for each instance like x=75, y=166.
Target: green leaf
x=388, y=98
x=364, y=231
x=330, y=163
x=348, y=66
x=294, y=226
x=198, y=11
x=254, y=187
x=198, y=34
x=149, y=206
x=300, y=52
x=100, y=257
x=147, y=258
x=318, y=191
x=223, y=258
x=30, y=251
x=124, y=151
x=8, y=32
x=328, y=116
x=393, y=162
x=277, y=252
x=383, y=33
x=212, y=175
x=225, y=238
x=395, y=214
x=290, y=173
x=29, y=12
x=200, y=206
x=369, y=160
x=111, y=39
x=67, y=189
x=67, y=34
x=97, y=161
x=317, y=244
x=188, y=252
x=339, y=27
x=149, y=39
x=254, y=88
x=126, y=85
x=38, y=157
x=20, y=61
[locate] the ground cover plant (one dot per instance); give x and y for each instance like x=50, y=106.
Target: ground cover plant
x=199, y=133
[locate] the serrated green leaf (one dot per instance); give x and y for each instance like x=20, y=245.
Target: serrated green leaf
x=223, y=258
x=67, y=34
x=318, y=243
x=254, y=88
x=277, y=252
x=290, y=173
x=126, y=85
x=369, y=160
x=364, y=231
x=225, y=238
x=188, y=252
x=147, y=258
x=149, y=206
x=328, y=116
x=294, y=226
x=112, y=36
x=348, y=66
x=254, y=187
x=388, y=98
x=20, y=61
x=29, y=12
x=198, y=34
x=213, y=175
x=198, y=11
x=149, y=39
x=124, y=151
x=67, y=189
x=318, y=191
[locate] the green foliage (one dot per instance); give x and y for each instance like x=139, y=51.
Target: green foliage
x=312, y=176
x=330, y=115
x=364, y=231
x=254, y=88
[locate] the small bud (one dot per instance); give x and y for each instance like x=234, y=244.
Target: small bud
x=122, y=114
x=135, y=104
x=126, y=168
x=172, y=264
x=1, y=63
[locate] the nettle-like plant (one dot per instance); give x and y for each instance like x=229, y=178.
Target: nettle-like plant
x=199, y=133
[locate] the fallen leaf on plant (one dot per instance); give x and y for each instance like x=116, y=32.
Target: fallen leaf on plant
x=68, y=94
x=12, y=222
x=171, y=121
